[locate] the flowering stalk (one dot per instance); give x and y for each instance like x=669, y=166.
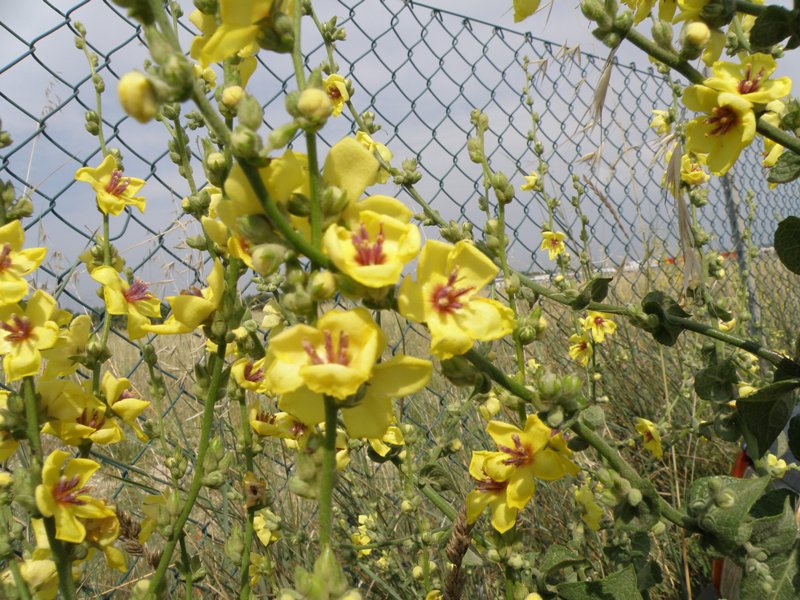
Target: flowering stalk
x=218, y=360
x=328, y=474
x=247, y=439
x=60, y=557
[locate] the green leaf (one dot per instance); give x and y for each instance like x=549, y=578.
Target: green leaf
x=794, y=436
x=786, y=169
x=617, y=586
x=725, y=528
x=662, y=306
x=763, y=415
x=772, y=26
x=716, y=382
x=787, y=243
x=774, y=526
x=594, y=291
x=785, y=585
x=557, y=557
x=787, y=369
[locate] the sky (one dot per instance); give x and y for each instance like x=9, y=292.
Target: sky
x=421, y=72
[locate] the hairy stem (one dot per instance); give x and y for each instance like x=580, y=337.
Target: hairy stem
x=327, y=482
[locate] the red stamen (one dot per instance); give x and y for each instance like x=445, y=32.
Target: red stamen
x=94, y=419
x=137, y=291
x=65, y=493
x=19, y=329
x=192, y=291
x=518, y=455
x=366, y=253
x=117, y=184
x=5, y=257
x=723, y=118
x=490, y=486
x=334, y=92
x=750, y=84
x=251, y=375
x=446, y=297
x=333, y=356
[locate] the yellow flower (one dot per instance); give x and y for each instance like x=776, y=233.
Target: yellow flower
x=40, y=576
x=8, y=444
x=62, y=494
x=488, y=492
x=723, y=134
x=237, y=31
x=581, y=349
x=391, y=439
x=650, y=436
x=772, y=150
x=123, y=403
x=692, y=171
x=24, y=333
x=590, y=510
x=553, y=242
x=530, y=181
x=101, y=534
x=75, y=415
x=661, y=122
x=749, y=79
x=133, y=300
x=248, y=373
x=524, y=454
x=376, y=244
x=370, y=416
x=62, y=358
x=114, y=191
x=351, y=167
x=336, y=87
x=690, y=10
x=365, y=140
x=333, y=358
x=642, y=8
x=444, y=297
x=597, y=325
x=191, y=308
x=266, y=526
x=281, y=425
x=524, y=9
x=15, y=262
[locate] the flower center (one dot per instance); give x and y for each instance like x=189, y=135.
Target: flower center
x=723, y=118
x=65, y=491
x=137, y=291
x=490, y=486
x=750, y=83
x=599, y=321
x=253, y=375
x=94, y=419
x=518, y=455
x=5, y=257
x=333, y=356
x=446, y=297
x=19, y=329
x=368, y=253
x=334, y=92
x=192, y=291
x=117, y=185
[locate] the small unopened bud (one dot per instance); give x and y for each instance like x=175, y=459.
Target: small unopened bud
x=245, y=143
x=267, y=258
x=281, y=136
x=322, y=286
x=137, y=96
x=698, y=34
x=231, y=96
x=314, y=105
x=249, y=111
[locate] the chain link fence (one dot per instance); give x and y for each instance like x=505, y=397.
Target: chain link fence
x=421, y=75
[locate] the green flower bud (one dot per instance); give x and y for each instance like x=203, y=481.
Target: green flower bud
x=281, y=136
x=475, y=149
x=322, y=285
x=267, y=258
x=635, y=497
x=249, y=111
x=245, y=143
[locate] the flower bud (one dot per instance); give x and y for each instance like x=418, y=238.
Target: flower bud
x=249, y=111
x=231, y=96
x=137, y=96
x=314, y=105
x=662, y=33
x=322, y=286
x=245, y=143
x=281, y=136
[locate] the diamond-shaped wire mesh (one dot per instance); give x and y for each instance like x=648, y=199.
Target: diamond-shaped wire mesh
x=421, y=73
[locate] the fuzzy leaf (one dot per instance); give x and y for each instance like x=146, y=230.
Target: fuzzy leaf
x=794, y=436
x=663, y=307
x=617, y=586
x=772, y=26
x=786, y=169
x=764, y=414
x=787, y=243
x=785, y=573
x=557, y=557
x=716, y=382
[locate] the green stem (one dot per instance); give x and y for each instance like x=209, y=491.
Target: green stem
x=667, y=57
x=625, y=470
x=247, y=439
x=32, y=419
x=328, y=474
x=63, y=563
x=439, y=502
x=498, y=375
x=187, y=566
x=22, y=587
x=297, y=51
x=313, y=180
x=197, y=480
